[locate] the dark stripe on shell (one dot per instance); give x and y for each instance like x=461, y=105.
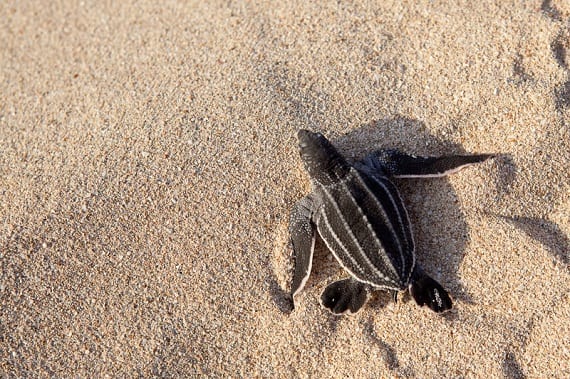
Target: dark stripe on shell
x=387, y=193
x=335, y=245
x=364, y=223
x=338, y=222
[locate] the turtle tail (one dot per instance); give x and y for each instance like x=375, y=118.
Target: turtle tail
x=426, y=291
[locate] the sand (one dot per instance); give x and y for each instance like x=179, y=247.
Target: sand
x=148, y=163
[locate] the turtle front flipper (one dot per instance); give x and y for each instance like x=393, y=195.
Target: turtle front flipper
x=345, y=296
x=426, y=291
x=395, y=163
x=302, y=232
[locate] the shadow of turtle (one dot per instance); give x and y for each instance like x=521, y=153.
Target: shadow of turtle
x=279, y=296
x=546, y=233
x=440, y=230
x=388, y=353
x=440, y=245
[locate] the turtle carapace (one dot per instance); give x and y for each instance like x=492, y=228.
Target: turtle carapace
x=359, y=214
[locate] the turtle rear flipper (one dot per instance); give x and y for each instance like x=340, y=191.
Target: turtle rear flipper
x=345, y=296
x=426, y=291
x=395, y=163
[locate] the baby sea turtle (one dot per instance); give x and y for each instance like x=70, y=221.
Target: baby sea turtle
x=359, y=214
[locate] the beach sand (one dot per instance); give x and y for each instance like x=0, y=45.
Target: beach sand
x=149, y=161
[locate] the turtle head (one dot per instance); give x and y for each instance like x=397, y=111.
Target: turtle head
x=322, y=160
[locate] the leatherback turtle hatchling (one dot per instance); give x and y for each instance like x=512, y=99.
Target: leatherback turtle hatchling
x=358, y=212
